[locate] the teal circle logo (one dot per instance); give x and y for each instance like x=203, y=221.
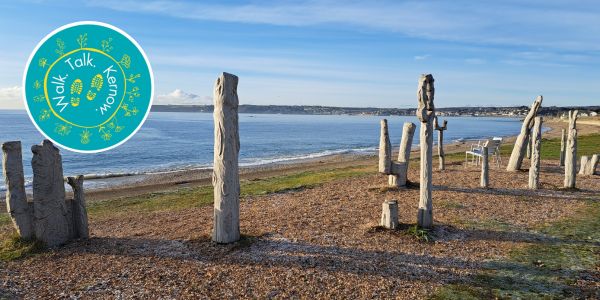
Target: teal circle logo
x=88, y=87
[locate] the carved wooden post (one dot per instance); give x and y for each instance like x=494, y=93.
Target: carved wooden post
x=80, y=219
x=51, y=214
x=389, y=214
x=440, y=129
x=21, y=212
x=226, y=181
x=516, y=157
x=563, y=146
x=399, y=178
x=426, y=113
x=385, y=149
x=534, y=169
x=485, y=168
x=571, y=151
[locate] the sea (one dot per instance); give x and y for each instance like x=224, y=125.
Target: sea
x=170, y=141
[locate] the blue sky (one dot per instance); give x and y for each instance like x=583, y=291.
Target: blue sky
x=339, y=53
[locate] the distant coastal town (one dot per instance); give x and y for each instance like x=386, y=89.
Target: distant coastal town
x=508, y=111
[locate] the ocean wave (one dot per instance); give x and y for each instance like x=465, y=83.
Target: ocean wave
x=283, y=159
x=247, y=163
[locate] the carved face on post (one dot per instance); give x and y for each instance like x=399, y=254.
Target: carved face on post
x=425, y=94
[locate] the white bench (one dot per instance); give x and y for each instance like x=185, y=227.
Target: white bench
x=476, y=151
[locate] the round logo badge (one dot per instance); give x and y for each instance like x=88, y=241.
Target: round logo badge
x=88, y=87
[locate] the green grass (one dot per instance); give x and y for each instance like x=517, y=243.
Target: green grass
x=202, y=196
x=4, y=219
x=13, y=247
x=421, y=234
x=450, y=205
x=586, y=145
x=546, y=269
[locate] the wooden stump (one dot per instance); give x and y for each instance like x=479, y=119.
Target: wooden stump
x=398, y=174
x=389, y=214
x=534, y=169
x=426, y=114
x=518, y=152
x=571, y=152
x=485, y=168
x=20, y=211
x=226, y=182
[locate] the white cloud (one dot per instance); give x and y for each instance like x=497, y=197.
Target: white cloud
x=11, y=98
x=179, y=97
x=422, y=57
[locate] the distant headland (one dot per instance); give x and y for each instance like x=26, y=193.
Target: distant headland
x=507, y=111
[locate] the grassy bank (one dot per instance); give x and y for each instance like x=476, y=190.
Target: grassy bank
x=564, y=252
x=586, y=145
x=203, y=195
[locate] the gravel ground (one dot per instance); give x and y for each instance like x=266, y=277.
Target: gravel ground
x=321, y=242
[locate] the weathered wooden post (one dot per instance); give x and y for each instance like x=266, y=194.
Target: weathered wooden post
x=485, y=168
x=385, y=149
x=588, y=164
x=21, y=212
x=563, y=146
x=426, y=113
x=584, y=165
x=80, y=219
x=408, y=133
x=593, y=165
x=52, y=219
x=534, y=169
x=399, y=177
x=516, y=157
x=529, y=145
x=389, y=214
x=441, y=154
x=571, y=151
x=226, y=181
